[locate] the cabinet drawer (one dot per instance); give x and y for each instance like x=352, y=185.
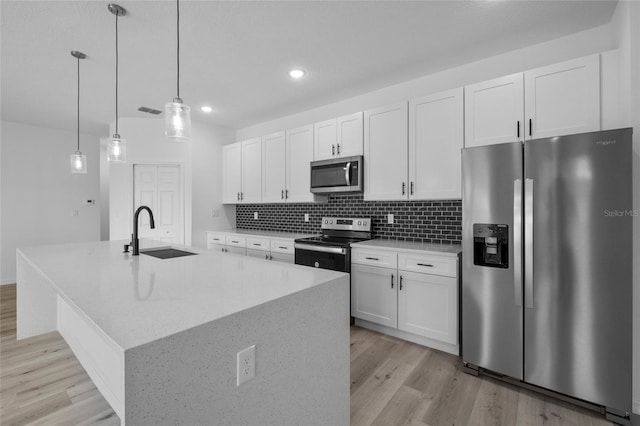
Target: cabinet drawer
x=218, y=239
x=255, y=243
x=435, y=265
x=282, y=246
x=236, y=241
x=383, y=259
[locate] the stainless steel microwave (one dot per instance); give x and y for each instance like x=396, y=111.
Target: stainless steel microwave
x=337, y=175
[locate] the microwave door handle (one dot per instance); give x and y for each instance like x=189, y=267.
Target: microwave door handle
x=347, y=173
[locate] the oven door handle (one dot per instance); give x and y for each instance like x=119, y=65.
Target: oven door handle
x=312, y=247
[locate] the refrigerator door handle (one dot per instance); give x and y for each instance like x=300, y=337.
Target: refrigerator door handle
x=528, y=243
x=517, y=241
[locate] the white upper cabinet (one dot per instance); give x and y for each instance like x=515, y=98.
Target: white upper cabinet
x=338, y=137
x=385, y=150
x=563, y=99
x=436, y=136
x=251, y=171
x=273, y=168
x=231, y=173
x=555, y=100
x=349, y=135
x=494, y=111
x=299, y=154
x=325, y=137
x=242, y=172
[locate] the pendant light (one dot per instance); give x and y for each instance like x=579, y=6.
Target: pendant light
x=78, y=160
x=177, y=115
x=117, y=147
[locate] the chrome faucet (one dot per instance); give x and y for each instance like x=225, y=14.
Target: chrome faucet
x=135, y=243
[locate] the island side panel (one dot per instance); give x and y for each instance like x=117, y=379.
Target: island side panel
x=36, y=304
x=302, y=366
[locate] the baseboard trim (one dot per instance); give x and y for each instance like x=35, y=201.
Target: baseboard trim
x=636, y=407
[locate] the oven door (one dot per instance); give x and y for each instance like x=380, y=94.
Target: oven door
x=334, y=258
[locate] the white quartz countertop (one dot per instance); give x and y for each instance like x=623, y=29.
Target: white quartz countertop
x=139, y=299
x=266, y=234
x=451, y=250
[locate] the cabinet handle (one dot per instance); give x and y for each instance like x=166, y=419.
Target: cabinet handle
x=241, y=196
x=425, y=264
x=518, y=131
x=224, y=249
x=282, y=194
x=216, y=239
x=338, y=149
x=238, y=196
x=266, y=256
x=333, y=150
x=270, y=257
x=403, y=186
x=286, y=194
x=256, y=244
x=411, y=188
x=234, y=241
x=283, y=248
x=391, y=280
x=372, y=258
x=530, y=127
x=400, y=288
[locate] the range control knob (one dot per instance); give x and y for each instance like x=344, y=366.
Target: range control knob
x=326, y=221
x=364, y=223
x=331, y=221
x=359, y=222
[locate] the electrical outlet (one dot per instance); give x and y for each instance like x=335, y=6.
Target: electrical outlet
x=246, y=365
x=215, y=213
x=255, y=215
x=75, y=212
x=306, y=217
x=390, y=219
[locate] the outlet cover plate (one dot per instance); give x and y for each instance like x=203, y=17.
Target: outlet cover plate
x=246, y=365
x=390, y=219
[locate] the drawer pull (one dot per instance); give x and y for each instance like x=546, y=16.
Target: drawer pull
x=283, y=248
x=256, y=244
x=400, y=288
x=391, y=280
x=234, y=241
x=216, y=239
x=371, y=258
x=425, y=264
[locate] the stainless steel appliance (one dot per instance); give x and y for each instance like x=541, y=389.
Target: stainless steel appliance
x=332, y=249
x=337, y=175
x=547, y=265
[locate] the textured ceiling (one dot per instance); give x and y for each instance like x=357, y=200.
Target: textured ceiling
x=235, y=55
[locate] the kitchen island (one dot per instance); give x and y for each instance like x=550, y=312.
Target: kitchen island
x=160, y=337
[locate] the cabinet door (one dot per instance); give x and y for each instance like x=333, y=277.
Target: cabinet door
x=273, y=168
x=251, y=171
x=324, y=139
x=299, y=152
x=231, y=173
x=563, y=99
x=385, y=151
x=494, y=111
x=349, y=135
x=428, y=306
x=436, y=136
x=373, y=294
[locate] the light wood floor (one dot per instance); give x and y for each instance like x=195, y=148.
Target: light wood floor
x=393, y=382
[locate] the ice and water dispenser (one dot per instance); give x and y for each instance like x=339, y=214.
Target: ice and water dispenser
x=491, y=245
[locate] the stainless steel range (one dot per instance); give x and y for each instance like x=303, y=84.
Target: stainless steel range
x=332, y=250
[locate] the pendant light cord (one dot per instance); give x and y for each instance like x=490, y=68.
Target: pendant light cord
x=178, y=49
x=78, y=131
x=117, y=74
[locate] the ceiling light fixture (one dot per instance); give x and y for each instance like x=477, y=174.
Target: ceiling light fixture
x=206, y=108
x=177, y=115
x=117, y=147
x=296, y=73
x=78, y=161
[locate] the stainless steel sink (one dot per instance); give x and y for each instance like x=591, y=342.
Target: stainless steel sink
x=166, y=253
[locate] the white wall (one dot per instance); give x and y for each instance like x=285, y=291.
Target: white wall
x=596, y=40
x=39, y=193
x=200, y=159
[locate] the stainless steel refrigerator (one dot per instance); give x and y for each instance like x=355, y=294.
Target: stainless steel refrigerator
x=547, y=264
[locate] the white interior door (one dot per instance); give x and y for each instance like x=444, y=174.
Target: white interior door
x=159, y=188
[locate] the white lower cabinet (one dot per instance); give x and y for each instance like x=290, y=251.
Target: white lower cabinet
x=278, y=249
x=416, y=300
x=373, y=294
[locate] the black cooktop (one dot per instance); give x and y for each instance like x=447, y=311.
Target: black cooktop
x=331, y=241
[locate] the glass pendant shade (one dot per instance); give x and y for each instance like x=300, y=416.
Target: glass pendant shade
x=177, y=120
x=117, y=150
x=78, y=163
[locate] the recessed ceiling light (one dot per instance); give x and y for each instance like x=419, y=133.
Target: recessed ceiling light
x=296, y=73
x=206, y=108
